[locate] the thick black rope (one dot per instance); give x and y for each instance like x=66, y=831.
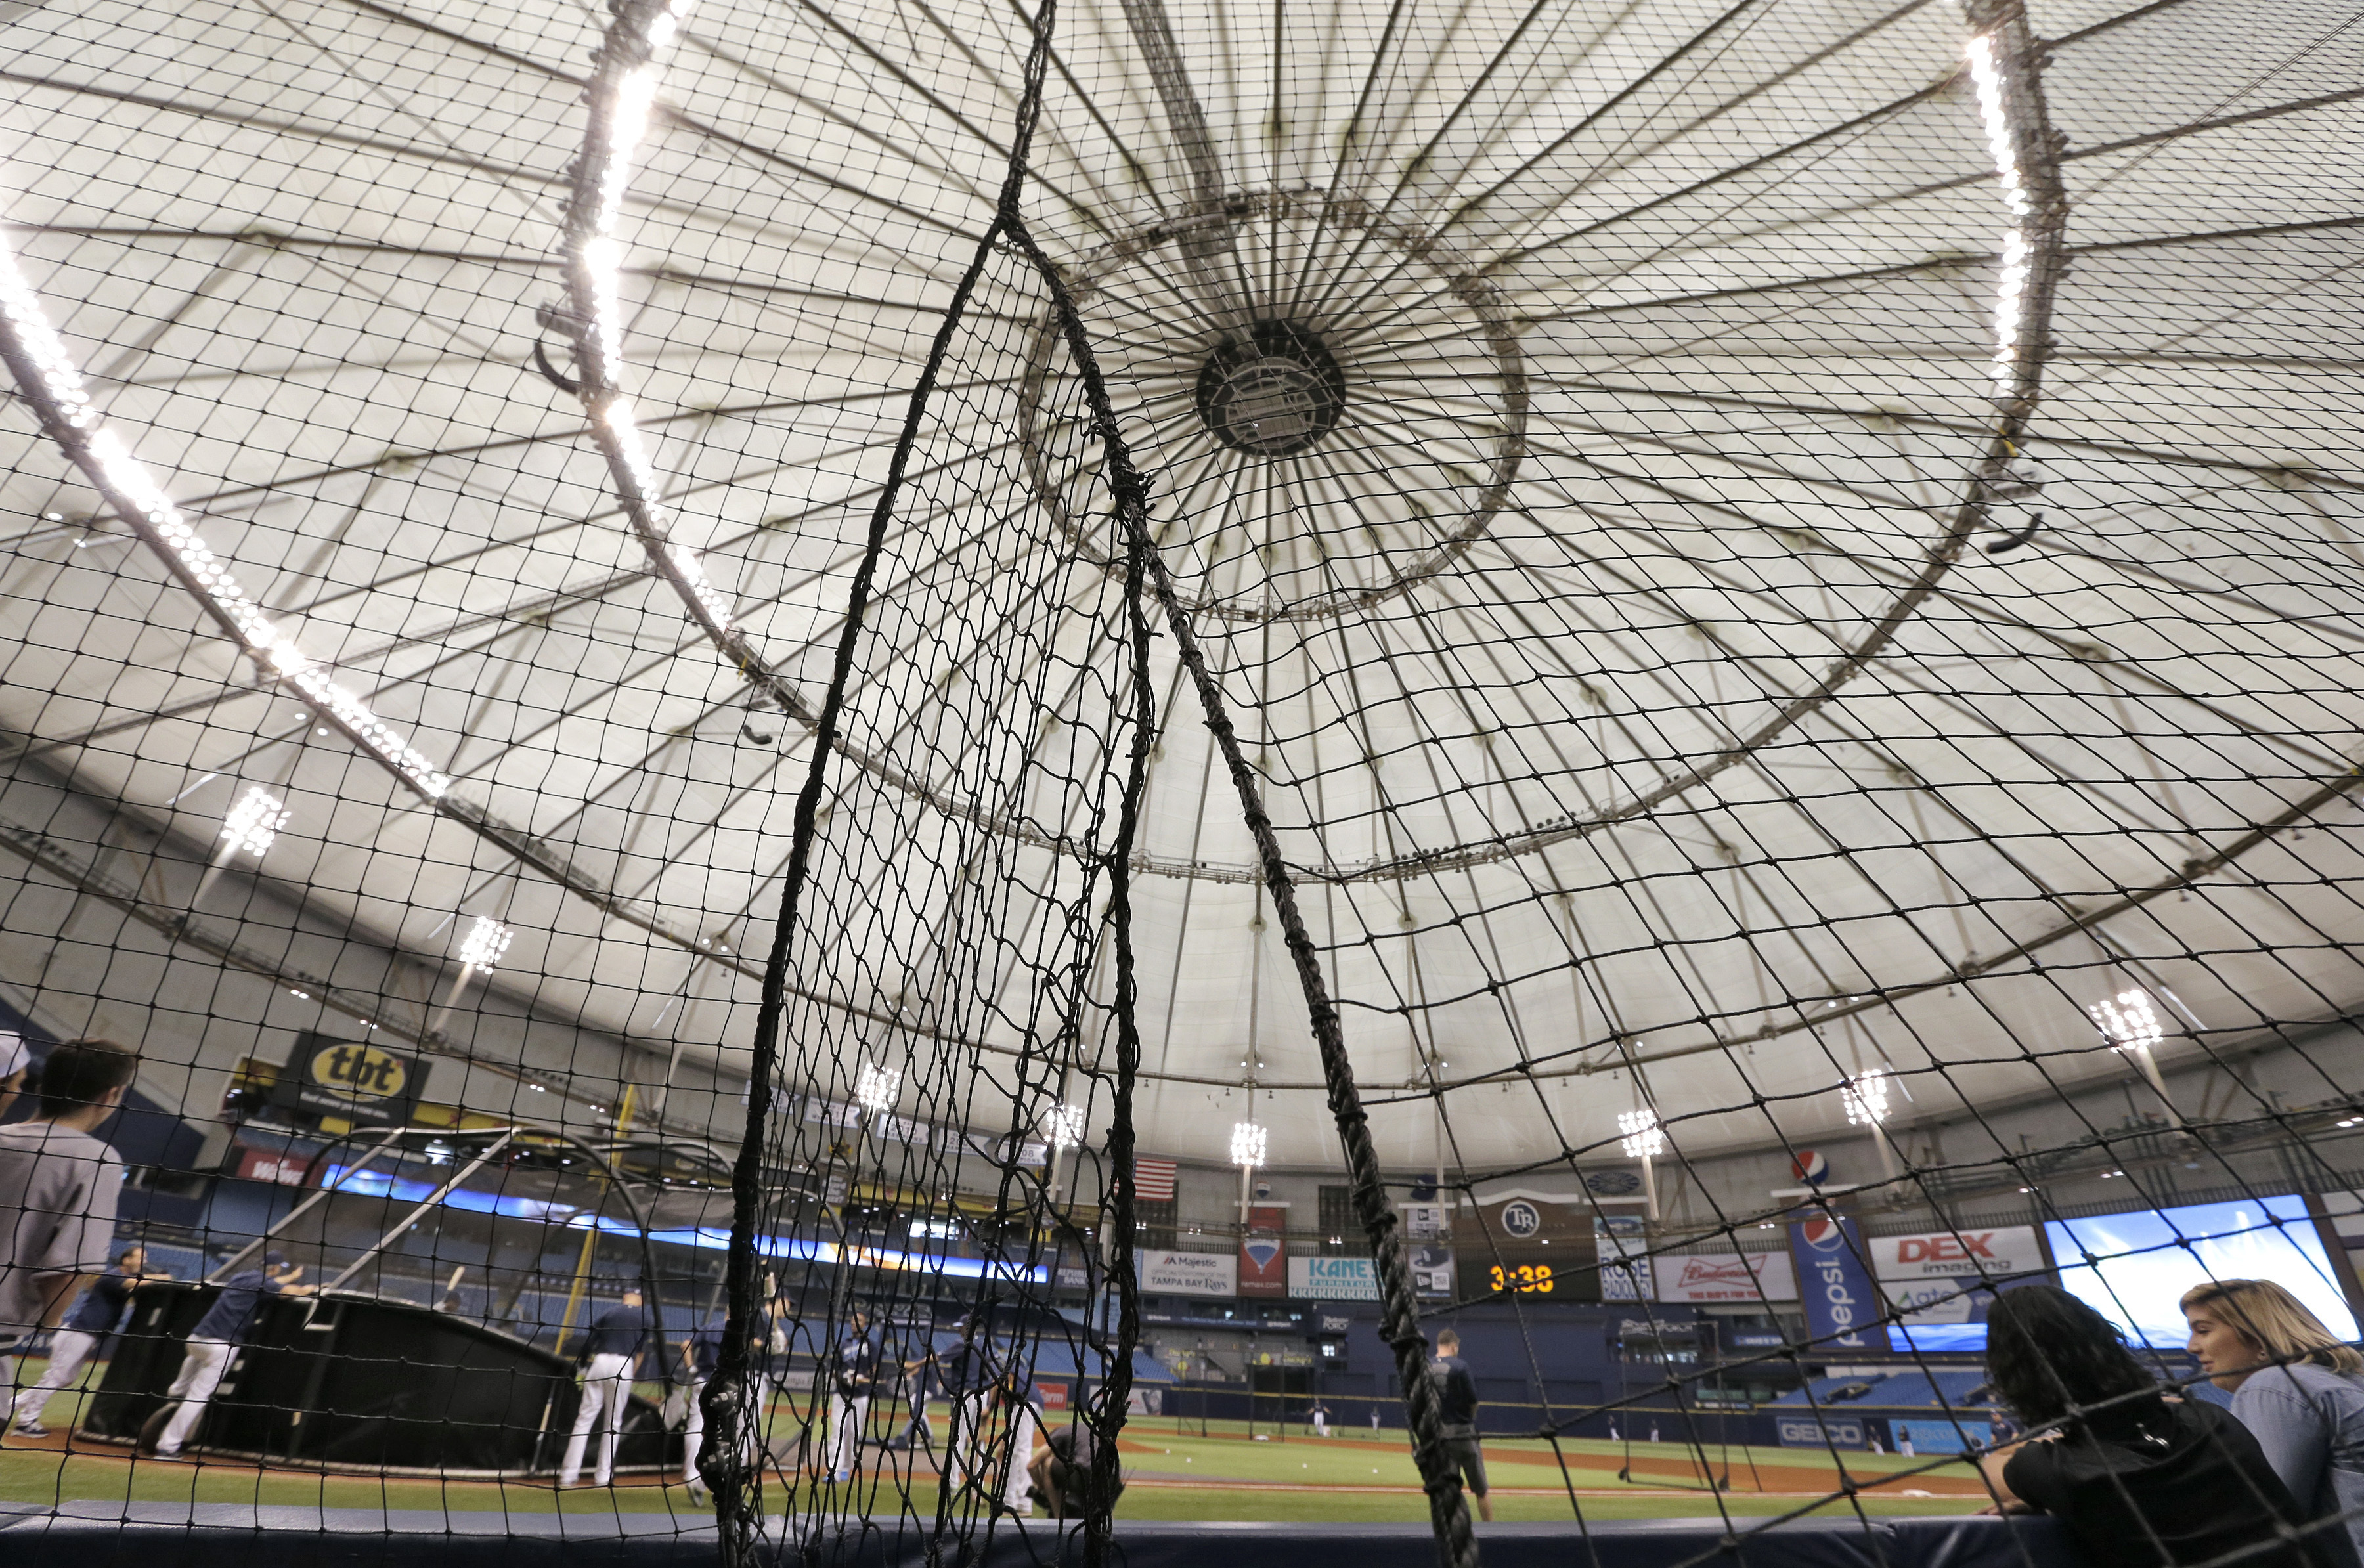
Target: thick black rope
x=1448, y=1510
x=1400, y=1312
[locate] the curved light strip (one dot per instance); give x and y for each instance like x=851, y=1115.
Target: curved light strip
x=46, y=374
x=623, y=94
x=2001, y=56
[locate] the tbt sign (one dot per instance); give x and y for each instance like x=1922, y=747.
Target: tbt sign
x=1843, y=1307
x=363, y=1083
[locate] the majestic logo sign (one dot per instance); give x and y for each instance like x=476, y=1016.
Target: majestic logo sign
x=1164, y=1273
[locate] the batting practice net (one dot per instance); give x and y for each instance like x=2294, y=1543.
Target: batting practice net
x=852, y=774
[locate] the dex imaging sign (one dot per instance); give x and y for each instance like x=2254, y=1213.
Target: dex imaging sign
x=1999, y=1253
x=1843, y=1307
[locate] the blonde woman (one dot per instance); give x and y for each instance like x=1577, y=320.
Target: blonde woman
x=2297, y=1389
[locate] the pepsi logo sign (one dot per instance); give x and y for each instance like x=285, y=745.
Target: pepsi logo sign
x=1810, y=1167
x=1823, y=1235
x=1840, y=1299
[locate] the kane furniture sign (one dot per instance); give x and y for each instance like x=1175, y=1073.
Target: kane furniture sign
x=350, y=1078
x=1166, y=1273
x=1726, y=1276
x=1333, y=1279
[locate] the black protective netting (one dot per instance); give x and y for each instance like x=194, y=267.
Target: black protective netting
x=1745, y=613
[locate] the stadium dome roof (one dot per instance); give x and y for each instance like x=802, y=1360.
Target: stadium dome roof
x=1571, y=429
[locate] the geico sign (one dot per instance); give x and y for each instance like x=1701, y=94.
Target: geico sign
x=1814, y=1434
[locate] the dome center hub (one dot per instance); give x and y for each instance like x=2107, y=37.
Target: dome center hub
x=1272, y=391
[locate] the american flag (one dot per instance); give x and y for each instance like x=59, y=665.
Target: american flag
x=1153, y=1180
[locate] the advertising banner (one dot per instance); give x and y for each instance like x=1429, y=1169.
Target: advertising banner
x=1726, y=1276
x=1431, y=1273
x=1164, y=1272
x=271, y=1165
x=364, y=1083
x=1624, y=1269
x=1332, y=1279
x=1264, y=1251
x=1425, y=1221
x=1819, y=1431
x=1843, y=1306
x=1942, y=1282
x=1955, y=1254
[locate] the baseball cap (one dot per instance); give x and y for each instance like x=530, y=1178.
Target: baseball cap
x=274, y=1259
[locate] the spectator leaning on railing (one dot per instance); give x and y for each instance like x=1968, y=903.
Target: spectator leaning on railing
x=2140, y=1479
x=2299, y=1390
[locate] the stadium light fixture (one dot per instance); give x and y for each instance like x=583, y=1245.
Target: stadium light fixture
x=623, y=111
x=486, y=943
x=1063, y=1126
x=1864, y=1095
x=2018, y=252
x=254, y=822
x=1642, y=1138
x=248, y=827
x=2129, y=1021
x=875, y=1089
x=482, y=949
x=1249, y=1143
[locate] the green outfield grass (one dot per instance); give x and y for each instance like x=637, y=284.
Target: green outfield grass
x=1175, y=1471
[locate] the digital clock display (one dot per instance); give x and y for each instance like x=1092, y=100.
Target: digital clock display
x=1529, y=1279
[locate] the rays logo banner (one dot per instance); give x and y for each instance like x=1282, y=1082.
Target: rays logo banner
x=1843, y=1307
